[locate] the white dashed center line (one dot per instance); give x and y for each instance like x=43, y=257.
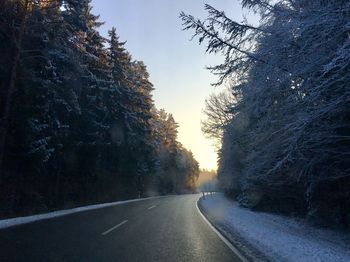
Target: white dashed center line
x=151, y=207
x=113, y=228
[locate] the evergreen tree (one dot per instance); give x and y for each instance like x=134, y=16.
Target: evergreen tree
x=78, y=122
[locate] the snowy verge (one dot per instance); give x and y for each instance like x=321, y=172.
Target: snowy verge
x=224, y=239
x=269, y=237
x=5, y=223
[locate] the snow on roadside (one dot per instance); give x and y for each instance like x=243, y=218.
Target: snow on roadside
x=5, y=223
x=278, y=237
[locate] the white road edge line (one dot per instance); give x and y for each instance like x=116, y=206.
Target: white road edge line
x=115, y=227
x=151, y=207
x=228, y=243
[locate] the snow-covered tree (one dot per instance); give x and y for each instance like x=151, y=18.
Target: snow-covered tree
x=291, y=75
x=78, y=122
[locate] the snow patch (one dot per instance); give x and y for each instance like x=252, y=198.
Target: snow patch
x=278, y=237
x=5, y=223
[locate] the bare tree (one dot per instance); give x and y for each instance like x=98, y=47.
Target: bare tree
x=219, y=113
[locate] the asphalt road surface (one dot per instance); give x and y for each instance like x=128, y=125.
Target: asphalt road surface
x=160, y=229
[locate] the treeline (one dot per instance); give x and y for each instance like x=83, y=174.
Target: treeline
x=207, y=181
x=204, y=176
x=78, y=123
x=284, y=122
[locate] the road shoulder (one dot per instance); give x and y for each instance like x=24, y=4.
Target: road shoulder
x=17, y=221
x=246, y=251
x=264, y=236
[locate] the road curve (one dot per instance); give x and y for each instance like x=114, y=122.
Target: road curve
x=160, y=229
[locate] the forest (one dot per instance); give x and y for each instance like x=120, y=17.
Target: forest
x=78, y=121
x=283, y=122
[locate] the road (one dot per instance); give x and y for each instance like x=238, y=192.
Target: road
x=159, y=229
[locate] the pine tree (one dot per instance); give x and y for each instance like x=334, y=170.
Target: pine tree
x=78, y=122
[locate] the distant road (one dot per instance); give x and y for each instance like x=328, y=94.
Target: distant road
x=161, y=229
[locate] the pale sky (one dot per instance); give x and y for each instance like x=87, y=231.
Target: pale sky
x=154, y=35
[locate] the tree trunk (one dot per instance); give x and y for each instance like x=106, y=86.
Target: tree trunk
x=12, y=84
x=58, y=184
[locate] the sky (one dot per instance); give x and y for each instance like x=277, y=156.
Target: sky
x=177, y=66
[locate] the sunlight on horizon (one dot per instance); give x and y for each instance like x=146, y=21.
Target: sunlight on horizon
x=176, y=64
